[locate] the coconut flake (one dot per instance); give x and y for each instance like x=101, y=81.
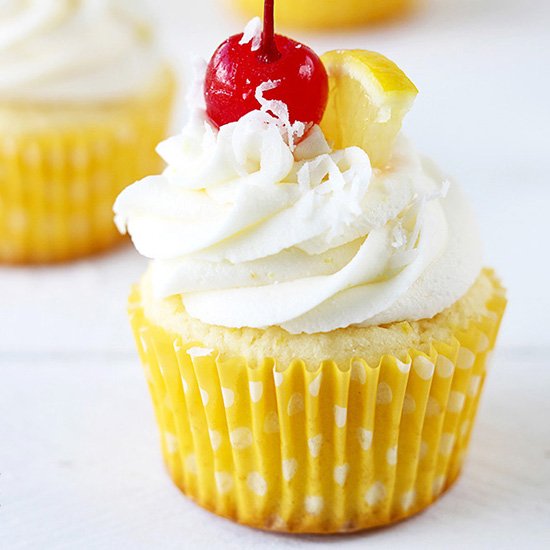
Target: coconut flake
x=252, y=34
x=279, y=109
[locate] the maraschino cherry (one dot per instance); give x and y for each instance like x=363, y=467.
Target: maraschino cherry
x=235, y=71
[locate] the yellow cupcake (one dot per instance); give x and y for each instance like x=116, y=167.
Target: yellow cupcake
x=315, y=323
x=328, y=13
x=75, y=127
x=320, y=433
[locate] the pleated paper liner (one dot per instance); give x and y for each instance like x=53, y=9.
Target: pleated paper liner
x=332, y=450
x=61, y=171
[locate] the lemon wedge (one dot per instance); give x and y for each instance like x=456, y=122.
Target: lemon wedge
x=369, y=96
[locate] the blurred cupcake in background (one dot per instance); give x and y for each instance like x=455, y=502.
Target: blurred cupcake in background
x=85, y=96
x=328, y=13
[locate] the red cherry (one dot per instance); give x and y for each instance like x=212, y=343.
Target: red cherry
x=235, y=71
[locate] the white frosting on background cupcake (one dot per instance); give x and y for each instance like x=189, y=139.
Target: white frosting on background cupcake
x=74, y=50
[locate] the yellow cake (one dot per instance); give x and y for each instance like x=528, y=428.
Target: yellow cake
x=74, y=132
x=316, y=319
x=326, y=14
x=370, y=343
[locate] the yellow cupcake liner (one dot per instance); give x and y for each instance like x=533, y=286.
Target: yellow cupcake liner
x=327, y=13
x=62, y=168
x=336, y=449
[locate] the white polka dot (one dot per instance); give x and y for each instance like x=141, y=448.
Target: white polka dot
x=278, y=378
x=444, y=367
x=409, y=404
x=257, y=484
x=191, y=463
x=101, y=149
x=314, y=505
x=358, y=371
x=340, y=416
x=124, y=134
x=347, y=527
x=278, y=523
x=228, y=397
x=403, y=367
x=384, y=394
x=315, y=385
x=473, y=386
x=446, y=444
x=224, y=482
x=483, y=343
x=32, y=154
x=148, y=374
x=10, y=146
x=240, y=438
x=424, y=448
x=185, y=385
x=375, y=494
x=340, y=474
x=433, y=408
x=423, y=367
x=464, y=428
x=295, y=404
x=204, y=397
x=365, y=438
x=314, y=444
x=18, y=221
x=456, y=402
x=199, y=352
x=271, y=423
x=438, y=485
x=289, y=468
x=256, y=391
x=407, y=499
x=215, y=439
x=391, y=456
x=80, y=157
x=465, y=359
x=171, y=442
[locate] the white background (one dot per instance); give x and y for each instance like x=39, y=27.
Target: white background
x=79, y=461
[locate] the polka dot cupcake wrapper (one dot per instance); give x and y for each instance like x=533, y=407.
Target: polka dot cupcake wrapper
x=324, y=451
x=58, y=182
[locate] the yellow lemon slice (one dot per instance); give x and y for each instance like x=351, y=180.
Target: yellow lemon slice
x=369, y=97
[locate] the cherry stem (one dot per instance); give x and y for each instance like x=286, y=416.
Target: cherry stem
x=269, y=51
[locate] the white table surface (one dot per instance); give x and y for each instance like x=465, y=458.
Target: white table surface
x=79, y=460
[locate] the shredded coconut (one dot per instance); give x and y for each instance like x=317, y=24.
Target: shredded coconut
x=252, y=34
x=279, y=109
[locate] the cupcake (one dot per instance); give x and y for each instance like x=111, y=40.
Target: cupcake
x=84, y=97
x=316, y=318
x=327, y=14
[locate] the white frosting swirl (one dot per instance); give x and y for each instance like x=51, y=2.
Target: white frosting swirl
x=73, y=50
x=254, y=232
